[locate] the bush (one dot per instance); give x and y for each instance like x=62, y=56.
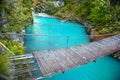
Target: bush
x=50, y=8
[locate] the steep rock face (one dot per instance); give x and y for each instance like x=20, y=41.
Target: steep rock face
x=42, y=7
x=59, y=3
x=13, y=18
x=4, y=25
x=3, y=20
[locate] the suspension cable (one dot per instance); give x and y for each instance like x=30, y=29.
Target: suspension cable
x=32, y=34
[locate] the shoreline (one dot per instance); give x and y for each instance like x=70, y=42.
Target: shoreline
x=41, y=14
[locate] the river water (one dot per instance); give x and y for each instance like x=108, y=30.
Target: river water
x=59, y=34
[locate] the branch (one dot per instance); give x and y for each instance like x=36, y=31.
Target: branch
x=7, y=48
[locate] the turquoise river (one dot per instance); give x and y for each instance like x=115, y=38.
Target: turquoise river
x=58, y=34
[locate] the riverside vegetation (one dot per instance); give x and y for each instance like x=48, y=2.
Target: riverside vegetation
x=14, y=16
x=103, y=14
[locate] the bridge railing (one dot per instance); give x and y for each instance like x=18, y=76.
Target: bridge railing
x=23, y=66
x=47, y=42
x=36, y=42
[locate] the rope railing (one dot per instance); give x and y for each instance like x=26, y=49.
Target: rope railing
x=32, y=34
x=51, y=41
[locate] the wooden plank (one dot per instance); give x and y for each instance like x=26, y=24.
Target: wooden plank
x=40, y=63
x=47, y=66
x=51, y=61
x=116, y=37
x=84, y=53
x=110, y=44
x=94, y=49
x=68, y=57
x=64, y=59
x=75, y=58
x=61, y=58
x=71, y=57
x=56, y=63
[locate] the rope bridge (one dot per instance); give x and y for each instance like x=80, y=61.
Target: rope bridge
x=53, y=61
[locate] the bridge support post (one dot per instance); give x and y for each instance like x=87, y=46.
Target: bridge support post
x=49, y=43
x=67, y=41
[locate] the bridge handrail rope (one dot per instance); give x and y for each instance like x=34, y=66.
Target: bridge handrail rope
x=65, y=37
x=31, y=34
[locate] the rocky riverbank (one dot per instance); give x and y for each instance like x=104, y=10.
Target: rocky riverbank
x=116, y=55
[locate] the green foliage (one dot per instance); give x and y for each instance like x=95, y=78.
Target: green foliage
x=14, y=16
x=104, y=17
x=77, y=8
x=68, y=7
x=3, y=65
x=50, y=8
x=17, y=14
x=59, y=14
x=69, y=1
x=15, y=47
x=36, y=4
x=100, y=13
x=67, y=10
x=84, y=8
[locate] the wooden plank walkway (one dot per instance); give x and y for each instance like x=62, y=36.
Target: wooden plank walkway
x=59, y=60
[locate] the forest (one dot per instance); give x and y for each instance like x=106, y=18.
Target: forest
x=103, y=14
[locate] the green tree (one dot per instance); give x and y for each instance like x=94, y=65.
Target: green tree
x=14, y=16
x=84, y=8
x=50, y=8
x=100, y=13
x=103, y=14
x=105, y=17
